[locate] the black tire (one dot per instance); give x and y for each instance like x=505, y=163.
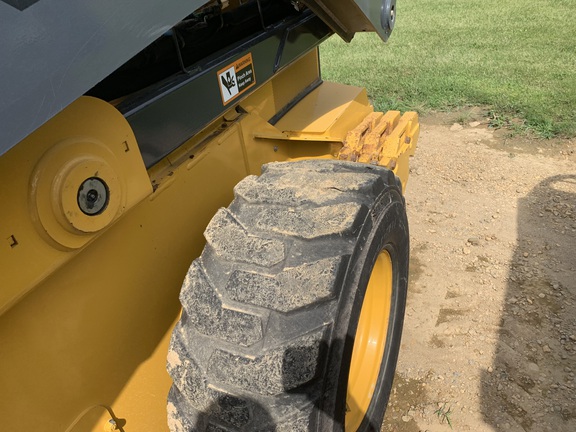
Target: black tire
x=271, y=307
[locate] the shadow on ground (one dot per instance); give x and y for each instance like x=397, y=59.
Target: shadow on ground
x=531, y=385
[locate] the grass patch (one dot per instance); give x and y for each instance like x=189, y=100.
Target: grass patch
x=517, y=57
x=444, y=415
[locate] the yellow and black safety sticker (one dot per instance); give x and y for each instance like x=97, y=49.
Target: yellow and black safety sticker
x=236, y=78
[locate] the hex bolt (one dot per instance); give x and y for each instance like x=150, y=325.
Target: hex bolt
x=93, y=196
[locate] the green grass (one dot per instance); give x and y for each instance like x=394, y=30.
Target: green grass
x=517, y=57
x=444, y=415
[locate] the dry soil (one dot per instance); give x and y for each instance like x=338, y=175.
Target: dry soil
x=489, y=338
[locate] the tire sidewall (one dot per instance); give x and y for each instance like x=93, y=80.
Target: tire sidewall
x=384, y=228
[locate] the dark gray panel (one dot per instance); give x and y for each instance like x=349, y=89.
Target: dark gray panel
x=165, y=118
x=55, y=51
x=20, y=4
x=347, y=17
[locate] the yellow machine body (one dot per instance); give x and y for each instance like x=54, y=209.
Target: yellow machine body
x=87, y=304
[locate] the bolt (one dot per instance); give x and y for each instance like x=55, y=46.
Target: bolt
x=91, y=197
x=110, y=425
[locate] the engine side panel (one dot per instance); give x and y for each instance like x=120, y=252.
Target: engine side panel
x=53, y=51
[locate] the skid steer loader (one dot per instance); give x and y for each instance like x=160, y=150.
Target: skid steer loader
x=138, y=137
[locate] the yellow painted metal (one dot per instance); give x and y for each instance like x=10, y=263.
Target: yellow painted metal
x=369, y=342
x=326, y=114
x=384, y=139
x=41, y=227
x=139, y=398
x=80, y=337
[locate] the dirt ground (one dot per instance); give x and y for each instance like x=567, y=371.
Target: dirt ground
x=489, y=339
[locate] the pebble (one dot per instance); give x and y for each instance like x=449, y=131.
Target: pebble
x=546, y=349
x=474, y=241
x=474, y=124
x=490, y=369
x=406, y=418
x=533, y=367
x=456, y=127
x=542, y=295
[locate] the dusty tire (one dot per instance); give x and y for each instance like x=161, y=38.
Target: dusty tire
x=271, y=308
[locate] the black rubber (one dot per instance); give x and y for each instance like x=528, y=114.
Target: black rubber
x=270, y=308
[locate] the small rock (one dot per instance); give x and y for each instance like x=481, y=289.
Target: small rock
x=573, y=338
x=513, y=300
x=542, y=295
x=406, y=418
x=525, y=254
x=533, y=367
x=474, y=124
x=456, y=127
x=490, y=369
x=474, y=241
x=546, y=349
x=466, y=251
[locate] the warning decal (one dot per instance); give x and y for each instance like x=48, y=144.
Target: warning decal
x=236, y=78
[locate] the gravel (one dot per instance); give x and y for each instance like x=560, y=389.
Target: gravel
x=490, y=333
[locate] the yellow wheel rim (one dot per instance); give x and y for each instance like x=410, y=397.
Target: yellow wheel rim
x=369, y=342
